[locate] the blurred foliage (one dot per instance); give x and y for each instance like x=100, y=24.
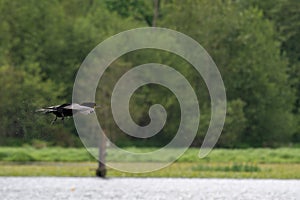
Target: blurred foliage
x=254, y=43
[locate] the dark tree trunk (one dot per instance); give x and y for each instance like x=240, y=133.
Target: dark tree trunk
x=155, y=12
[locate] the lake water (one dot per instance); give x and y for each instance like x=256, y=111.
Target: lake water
x=60, y=188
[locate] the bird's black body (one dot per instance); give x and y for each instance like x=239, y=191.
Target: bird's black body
x=62, y=111
x=69, y=109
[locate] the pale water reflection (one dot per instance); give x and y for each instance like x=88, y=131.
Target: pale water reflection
x=33, y=188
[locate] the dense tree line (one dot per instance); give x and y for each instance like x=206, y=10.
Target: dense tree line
x=254, y=43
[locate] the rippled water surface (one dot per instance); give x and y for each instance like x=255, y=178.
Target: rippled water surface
x=146, y=188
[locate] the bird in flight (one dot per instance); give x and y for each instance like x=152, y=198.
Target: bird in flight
x=69, y=109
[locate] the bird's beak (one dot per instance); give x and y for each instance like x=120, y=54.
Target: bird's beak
x=97, y=106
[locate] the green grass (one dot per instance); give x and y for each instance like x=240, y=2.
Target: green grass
x=235, y=167
x=183, y=170
x=51, y=154
x=260, y=155
x=221, y=163
x=57, y=154
x=219, y=170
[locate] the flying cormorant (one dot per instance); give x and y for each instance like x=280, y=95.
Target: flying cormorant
x=69, y=109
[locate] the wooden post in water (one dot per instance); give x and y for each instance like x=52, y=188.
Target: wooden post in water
x=101, y=170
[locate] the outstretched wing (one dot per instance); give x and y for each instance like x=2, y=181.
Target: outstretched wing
x=80, y=109
x=45, y=110
x=89, y=104
x=84, y=108
x=49, y=109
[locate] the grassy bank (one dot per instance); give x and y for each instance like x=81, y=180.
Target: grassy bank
x=187, y=170
x=58, y=154
x=222, y=163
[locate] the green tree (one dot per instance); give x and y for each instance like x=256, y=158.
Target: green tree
x=139, y=10
x=43, y=43
x=247, y=53
x=285, y=15
x=21, y=94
